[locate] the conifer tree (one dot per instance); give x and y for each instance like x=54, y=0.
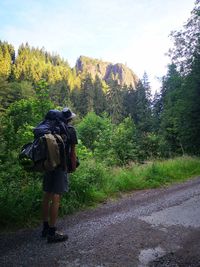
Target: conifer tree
x=190, y=110
x=6, y=58
x=99, y=97
x=142, y=111
x=86, y=96
x=186, y=41
x=115, y=101
x=59, y=93
x=170, y=117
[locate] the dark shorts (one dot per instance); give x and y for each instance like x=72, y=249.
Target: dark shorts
x=55, y=182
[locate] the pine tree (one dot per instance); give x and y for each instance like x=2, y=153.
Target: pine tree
x=171, y=95
x=190, y=115
x=157, y=108
x=142, y=111
x=115, y=102
x=86, y=96
x=6, y=59
x=186, y=41
x=129, y=102
x=99, y=97
x=59, y=93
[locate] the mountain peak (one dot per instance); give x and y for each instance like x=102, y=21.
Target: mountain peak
x=106, y=71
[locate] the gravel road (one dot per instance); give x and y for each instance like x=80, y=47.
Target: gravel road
x=159, y=227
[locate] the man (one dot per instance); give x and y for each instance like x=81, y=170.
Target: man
x=55, y=183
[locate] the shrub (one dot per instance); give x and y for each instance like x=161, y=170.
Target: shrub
x=117, y=144
x=90, y=176
x=90, y=128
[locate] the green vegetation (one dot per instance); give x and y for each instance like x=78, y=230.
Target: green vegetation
x=120, y=128
x=92, y=183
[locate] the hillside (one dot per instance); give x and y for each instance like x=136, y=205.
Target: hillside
x=106, y=71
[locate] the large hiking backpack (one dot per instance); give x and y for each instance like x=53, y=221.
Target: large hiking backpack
x=50, y=146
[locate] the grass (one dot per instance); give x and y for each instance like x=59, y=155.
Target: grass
x=156, y=174
x=92, y=183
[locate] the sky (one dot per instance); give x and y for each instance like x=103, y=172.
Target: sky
x=132, y=32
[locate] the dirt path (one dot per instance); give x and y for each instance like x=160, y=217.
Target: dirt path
x=154, y=228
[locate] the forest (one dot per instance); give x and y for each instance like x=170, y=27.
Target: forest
x=127, y=137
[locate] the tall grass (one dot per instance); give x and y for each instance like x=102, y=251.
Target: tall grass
x=94, y=183
x=20, y=197
x=156, y=174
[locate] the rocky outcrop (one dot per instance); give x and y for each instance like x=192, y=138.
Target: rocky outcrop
x=106, y=71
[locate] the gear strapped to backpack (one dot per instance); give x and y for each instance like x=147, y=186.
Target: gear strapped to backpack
x=50, y=148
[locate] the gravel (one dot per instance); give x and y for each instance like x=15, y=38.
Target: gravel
x=159, y=227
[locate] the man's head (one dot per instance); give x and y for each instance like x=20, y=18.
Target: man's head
x=67, y=114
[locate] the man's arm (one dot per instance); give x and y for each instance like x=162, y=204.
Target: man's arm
x=73, y=157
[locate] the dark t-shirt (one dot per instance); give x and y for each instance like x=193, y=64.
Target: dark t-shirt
x=73, y=136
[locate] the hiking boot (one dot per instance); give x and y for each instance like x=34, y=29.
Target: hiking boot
x=57, y=237
x=45, y=229
x=44, y=232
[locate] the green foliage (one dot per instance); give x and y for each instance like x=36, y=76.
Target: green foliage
x=6, y=57
x=35, y=64
x=90, y=128
x=24, y=134
x=103, y=145
x=99, y=97
x=179, y=101
x=114, y=97
x=90, y=177
x=142, y=112
x=186, y=41
x=21, y=117
x=114, y=144
x=59, y=93
x=13, y=91
x=20, y=196
x=43, y=101
x=83, y=152
x=22, y=204
x=135, y=129
x=93, y=182
x=124, y=142
x=155, y=174
x=86, y=96
x=170, y=171
x=179, y=113
x=170, y=118
x=117, y=144
x=149, y=146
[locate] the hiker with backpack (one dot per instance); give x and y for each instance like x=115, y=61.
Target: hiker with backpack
x=55, y=182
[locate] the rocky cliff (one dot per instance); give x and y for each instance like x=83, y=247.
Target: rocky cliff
x=106, y=71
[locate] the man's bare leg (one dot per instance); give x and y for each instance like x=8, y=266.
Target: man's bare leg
x=54, y=207
x=45, y=213
x=53, y=235
x=45, y=206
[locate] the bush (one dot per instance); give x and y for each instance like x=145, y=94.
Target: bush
x=19, y=120
x=21, y=192
x=117, y=145
x=83, y=152
x=90, y=128
x=90, y=177
x=87, y=186
x=20, y=196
